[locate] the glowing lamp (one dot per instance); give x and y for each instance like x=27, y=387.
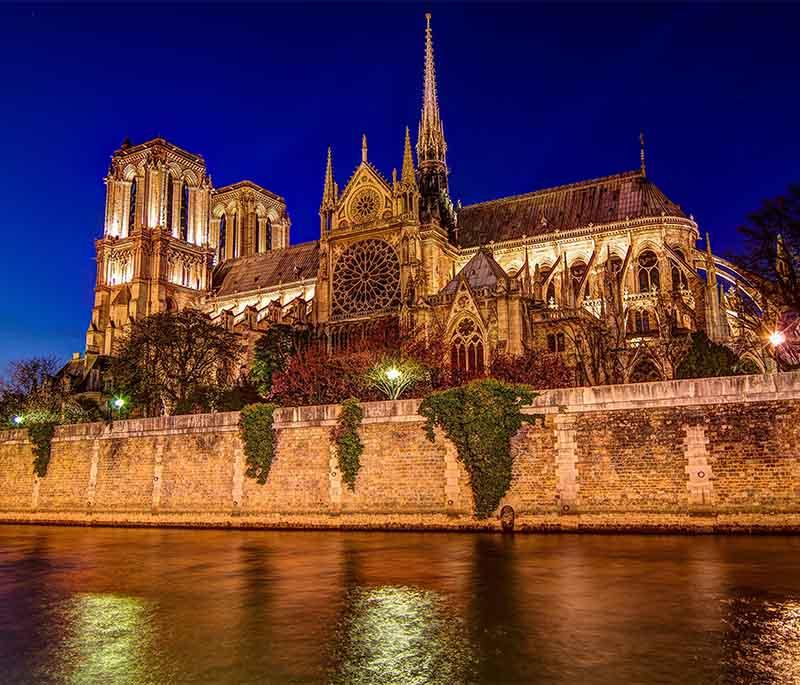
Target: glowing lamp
x=776, y=338
x=17, y=420
x=393, y=373
x=118, y=403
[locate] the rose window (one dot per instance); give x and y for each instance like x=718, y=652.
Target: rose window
x=365, y=205
x=366, y=278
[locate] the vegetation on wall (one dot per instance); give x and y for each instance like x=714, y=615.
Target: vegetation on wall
x=40, y=432
x=480, y=418
x=347, y=441
x=256, y=427
x=539, y=370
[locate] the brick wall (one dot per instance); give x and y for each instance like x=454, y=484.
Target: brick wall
x=706, y=455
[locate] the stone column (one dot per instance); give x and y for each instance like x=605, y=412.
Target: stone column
x=700, y=487
x=566, y=463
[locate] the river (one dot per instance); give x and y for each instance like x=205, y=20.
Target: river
x=102, y=605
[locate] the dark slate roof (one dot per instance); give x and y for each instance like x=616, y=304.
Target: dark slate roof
x=295, y=263
x=598, y=201
x=482, y=271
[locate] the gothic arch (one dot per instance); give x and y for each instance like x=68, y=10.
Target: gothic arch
x=467, y=345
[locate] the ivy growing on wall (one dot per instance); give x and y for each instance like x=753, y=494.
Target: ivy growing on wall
x=348, y=443
x=41, y=435
x=259, y=438
x=480, y=418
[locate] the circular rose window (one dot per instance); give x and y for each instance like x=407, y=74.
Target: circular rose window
x=366, y=278
x=365, y=205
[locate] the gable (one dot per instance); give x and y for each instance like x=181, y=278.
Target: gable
x=366, y=198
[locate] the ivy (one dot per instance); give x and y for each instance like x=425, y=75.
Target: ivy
x=257, y=430
x=348, y=444
x=41, y=435
x=480, y=418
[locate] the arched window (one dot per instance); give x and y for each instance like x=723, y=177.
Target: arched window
x=171, y=306
x=643, y=321
x=679, y=279
x=466, y=348
x=235, y=236
x=257, y=246
x=184, y=212
x=577, y=272
x=170, y=195
x=223, y=240
x=648, y=271
x=269, y=233
x=615, y=264
x=644, y=372
x=132, y=206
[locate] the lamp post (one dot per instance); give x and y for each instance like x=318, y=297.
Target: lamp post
x=115, y=404
x=17, y=420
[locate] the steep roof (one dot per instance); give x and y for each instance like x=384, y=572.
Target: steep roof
x=295, y=263
x=482, y=271
x=597, y=201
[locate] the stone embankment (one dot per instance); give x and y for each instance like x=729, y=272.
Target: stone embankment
x=692, y=456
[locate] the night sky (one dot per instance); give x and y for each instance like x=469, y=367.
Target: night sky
x=531, y=96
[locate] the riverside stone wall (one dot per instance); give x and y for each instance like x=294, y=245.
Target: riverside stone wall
x=700, y=455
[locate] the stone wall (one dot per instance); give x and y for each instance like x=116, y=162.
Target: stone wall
x=701, y=456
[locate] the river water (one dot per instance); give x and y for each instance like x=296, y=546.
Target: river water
x=109, y=606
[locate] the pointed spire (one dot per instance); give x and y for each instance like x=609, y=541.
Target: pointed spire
x=329, y=190
x=408, y=175
x=364, y=147
x=641, y=153
x=431, y=145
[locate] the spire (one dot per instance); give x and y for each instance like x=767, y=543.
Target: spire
x=641, y=153
x=329, y=190
x=364, y=147
x=431, y=145
x=407, y=175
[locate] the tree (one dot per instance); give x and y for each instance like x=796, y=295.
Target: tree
x=175, y=362
x=31, y=389
x=271, y=355
x=707, y=359
x=772, y=247
x=539, y=370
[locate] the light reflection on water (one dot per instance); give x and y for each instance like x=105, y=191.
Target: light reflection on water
x=104, y=606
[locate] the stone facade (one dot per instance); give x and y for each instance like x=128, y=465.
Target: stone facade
x=703, y=456
x=496, y=277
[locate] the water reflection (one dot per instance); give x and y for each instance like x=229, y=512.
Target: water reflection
x=400, y=635
x=148, y=606
x=109, y=641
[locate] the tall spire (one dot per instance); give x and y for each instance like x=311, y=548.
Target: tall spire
x=641, y=153
x=363, y=147
x=431, y=146
x=407, y=174
x=329, y=189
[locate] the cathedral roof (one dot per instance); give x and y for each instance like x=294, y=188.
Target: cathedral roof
x=275, y=267
x=629, y=195
x=482, y=271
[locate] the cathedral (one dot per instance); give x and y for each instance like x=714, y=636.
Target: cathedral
x=496, y=277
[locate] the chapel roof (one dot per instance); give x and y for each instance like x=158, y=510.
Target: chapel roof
x=629, y=195
x=482, y=271
x=274, y=267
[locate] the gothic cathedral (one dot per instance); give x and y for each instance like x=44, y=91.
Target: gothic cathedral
x=496, y=277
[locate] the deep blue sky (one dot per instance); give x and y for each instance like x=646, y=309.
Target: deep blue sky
x=531, y=95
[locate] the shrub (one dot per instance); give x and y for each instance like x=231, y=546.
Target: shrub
x=480, y=418
x=539, y=370
x=259, y=437
x=707, y=359
x=348, y=443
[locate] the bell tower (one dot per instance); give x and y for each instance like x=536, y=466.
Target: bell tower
x=154, y=254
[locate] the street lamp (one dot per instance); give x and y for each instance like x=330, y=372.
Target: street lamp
x=18, y=420
x=118, y=403
x=777, y=338
x=393, y=373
